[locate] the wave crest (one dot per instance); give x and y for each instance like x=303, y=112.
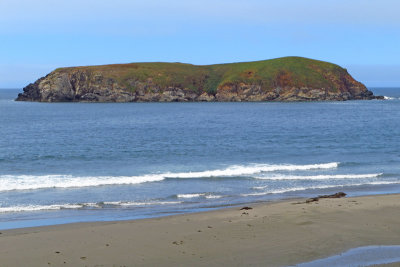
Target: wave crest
x=32, y=182
x=293, y=189
x=321, y=177
x=240, y=170
x=99, y=205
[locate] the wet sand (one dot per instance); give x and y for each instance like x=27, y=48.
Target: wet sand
x=269, y=234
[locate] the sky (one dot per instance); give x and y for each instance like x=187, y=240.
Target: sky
x=38, y=36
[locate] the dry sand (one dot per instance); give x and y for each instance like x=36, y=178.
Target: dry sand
x=271, y=234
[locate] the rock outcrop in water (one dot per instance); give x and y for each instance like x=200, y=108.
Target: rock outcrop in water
x=281, y=79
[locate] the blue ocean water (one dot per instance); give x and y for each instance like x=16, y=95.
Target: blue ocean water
x=72, y=162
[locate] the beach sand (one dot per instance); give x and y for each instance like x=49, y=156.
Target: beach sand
x=269, y=234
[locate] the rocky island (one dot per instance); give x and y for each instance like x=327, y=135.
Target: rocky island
x=281, y=79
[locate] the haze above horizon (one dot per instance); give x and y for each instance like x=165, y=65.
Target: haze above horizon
x=40, y=36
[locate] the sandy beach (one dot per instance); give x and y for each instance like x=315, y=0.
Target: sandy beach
x=269, y=234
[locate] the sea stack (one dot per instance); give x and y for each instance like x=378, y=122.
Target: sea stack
x=280, y=79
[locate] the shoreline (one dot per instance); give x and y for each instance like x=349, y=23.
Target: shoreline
x=278, y=233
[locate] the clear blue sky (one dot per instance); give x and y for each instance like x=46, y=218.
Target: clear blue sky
x=37, y=36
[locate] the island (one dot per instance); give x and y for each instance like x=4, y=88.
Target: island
x=280, y=79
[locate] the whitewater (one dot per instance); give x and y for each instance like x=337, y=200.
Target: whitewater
x=31, y=182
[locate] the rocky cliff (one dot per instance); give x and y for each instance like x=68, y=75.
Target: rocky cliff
x=281, y=79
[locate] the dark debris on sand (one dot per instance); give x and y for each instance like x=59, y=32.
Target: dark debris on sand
x=336, y=195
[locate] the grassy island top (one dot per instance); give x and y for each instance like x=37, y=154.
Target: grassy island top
x=286, y=71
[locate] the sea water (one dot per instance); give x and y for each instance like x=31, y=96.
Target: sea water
x=73, y=162
x=359, y=257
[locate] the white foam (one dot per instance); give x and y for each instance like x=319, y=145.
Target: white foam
x=197, y=195
x=320, y=177
x=189, y=195
x=32, y=182
x=388, y=98
x=92, y=205
x=213, y=196
x=260, y=187
x=240, y=170
x=27, y=208
x=39, y=207
x=285, y=190
x=293, y=189
x=127, y=203
x=255, y=194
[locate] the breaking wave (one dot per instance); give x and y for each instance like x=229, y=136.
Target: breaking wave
x=205, y=195
x=32, y=182
x=320, y=177
x=99, y=205
x=293, y=189
x=240, y=170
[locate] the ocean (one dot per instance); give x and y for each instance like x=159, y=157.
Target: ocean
x=76, y=162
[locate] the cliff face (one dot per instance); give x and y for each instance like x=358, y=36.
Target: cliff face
x=282, y=79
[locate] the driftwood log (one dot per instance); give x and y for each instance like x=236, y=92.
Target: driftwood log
x=336, y=195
